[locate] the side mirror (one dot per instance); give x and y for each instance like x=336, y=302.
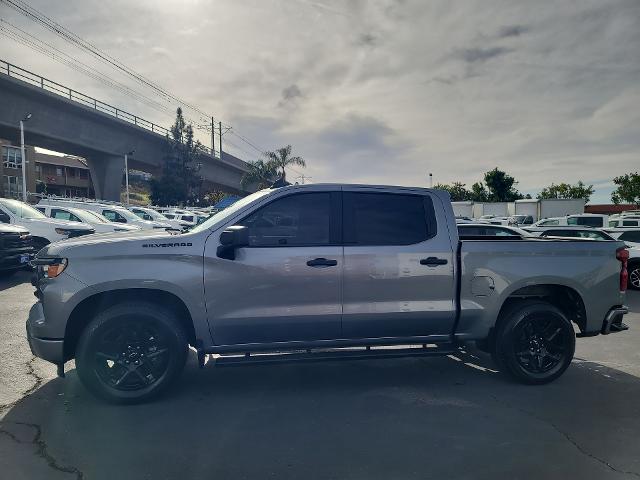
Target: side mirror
x=236, y=236
x=4, y=218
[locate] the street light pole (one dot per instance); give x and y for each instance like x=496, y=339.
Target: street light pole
x=430, y=180
x=126, y=172
x=23, y=157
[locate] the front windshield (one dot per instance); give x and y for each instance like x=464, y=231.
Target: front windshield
x=21, y=209
x=126, y=214
x=231, y=210
x=153, y=214
x=94, y=217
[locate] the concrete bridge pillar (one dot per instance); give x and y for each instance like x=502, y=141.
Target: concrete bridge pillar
x=106, y=173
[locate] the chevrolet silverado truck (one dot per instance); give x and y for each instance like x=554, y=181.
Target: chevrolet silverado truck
x=317, y=272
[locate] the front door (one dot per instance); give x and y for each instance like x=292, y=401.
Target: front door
x=286, y=285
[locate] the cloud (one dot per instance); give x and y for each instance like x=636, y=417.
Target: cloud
x=479, y=55
x=367, y=40
x=291, y=92
x=512, y=31
x=380, y=91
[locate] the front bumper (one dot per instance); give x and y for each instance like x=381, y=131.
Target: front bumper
x=49, y=349
x=15, y=260
x=613, y=321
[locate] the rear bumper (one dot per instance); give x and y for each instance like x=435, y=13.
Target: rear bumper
x=613, y=321
x=49, y=349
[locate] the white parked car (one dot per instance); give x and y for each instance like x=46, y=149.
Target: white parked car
x=184, y=216
x=97, y=221
x=624, y=221
x=630, y=236
x=489, y=230
x=113, y=213
x=151, y=215
x=581, y=219
x=44, y=230
x=569, y=231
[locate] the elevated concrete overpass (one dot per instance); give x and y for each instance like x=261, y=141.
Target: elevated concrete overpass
x=67, y=121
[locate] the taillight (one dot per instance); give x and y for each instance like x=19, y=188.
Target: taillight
x=622, y=254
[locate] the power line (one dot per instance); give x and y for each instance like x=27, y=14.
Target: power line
x=20, y=36
x=71, y=38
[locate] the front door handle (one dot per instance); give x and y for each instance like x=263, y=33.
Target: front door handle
x=322, y=262
x=433, y=261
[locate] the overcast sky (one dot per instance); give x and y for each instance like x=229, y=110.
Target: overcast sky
x=381, y=91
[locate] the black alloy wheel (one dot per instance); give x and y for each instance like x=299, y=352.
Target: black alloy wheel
x=534, y=342
x=131, y=352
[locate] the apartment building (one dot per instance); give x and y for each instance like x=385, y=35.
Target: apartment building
x=66, y=176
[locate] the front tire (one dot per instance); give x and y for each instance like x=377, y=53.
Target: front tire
x=535, y=342
x=131, y=353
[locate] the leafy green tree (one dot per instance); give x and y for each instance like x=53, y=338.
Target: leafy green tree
x=179, y=183
x=457, y=191
x=479, y=193
x=500, y=186
x=282, y=158
x=566, y=190
x=628, y=189
x=260, y=173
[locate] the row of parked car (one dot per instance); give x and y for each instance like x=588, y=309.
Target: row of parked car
x=25, y=229
x=626, y=219
x=628, y=234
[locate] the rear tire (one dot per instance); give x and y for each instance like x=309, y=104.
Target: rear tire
x=131, y=352
x=534, y=343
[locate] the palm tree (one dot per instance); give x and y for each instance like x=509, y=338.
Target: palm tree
x=282, y=158
x=260, y=173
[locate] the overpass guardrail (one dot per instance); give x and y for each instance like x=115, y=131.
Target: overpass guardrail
x=36, y=80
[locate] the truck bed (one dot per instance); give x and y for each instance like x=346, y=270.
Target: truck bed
x=490, y=271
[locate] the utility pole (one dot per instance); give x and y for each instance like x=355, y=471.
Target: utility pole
x=213, y=138
x=220, y=138
x=430, y=180
x=24, y=158
x=302, y=177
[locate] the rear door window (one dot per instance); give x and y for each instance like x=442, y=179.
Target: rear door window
x=630, y=237
x=387, y=218
x=64, y=215
x=114, y=216
x=590, y=221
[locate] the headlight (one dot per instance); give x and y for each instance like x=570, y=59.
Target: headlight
x=51, y=266
x=55, y=269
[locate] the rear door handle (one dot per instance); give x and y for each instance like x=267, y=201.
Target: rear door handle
x=433, y=261
x=322, y=262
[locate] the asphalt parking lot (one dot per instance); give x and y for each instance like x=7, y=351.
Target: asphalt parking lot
x=449, y=417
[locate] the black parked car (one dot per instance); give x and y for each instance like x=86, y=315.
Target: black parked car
x=16, y=249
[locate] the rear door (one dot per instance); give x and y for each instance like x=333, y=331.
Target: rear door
x=398, y=276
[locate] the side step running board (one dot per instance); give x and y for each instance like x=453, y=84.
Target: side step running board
x=356, y=353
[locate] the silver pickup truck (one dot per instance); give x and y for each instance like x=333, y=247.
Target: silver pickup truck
x=311, y=272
